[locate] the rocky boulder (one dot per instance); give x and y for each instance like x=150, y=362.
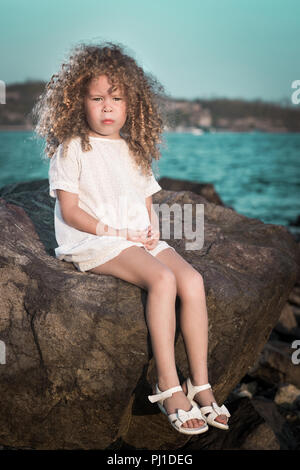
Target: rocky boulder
x=78, y=362
x=206, y=190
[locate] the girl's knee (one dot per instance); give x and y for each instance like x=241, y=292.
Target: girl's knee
x=193, y=284
x=196, y=278
x=165, y=278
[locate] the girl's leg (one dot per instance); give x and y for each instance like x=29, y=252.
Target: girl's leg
x=193, y=322
x=138, y=267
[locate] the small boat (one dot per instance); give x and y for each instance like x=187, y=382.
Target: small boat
x=197, y=131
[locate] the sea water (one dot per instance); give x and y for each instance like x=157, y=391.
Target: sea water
x=255, y=173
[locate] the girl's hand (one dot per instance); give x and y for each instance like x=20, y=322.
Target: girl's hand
x=153, y=238
x=137, y=235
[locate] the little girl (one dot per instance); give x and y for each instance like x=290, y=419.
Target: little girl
x=101, y=121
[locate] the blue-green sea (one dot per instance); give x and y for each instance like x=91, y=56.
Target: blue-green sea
x=258, y=174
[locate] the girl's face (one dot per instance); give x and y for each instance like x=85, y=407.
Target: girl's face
x=105, y=109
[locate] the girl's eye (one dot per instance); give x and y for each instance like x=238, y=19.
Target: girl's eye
x=97, y=99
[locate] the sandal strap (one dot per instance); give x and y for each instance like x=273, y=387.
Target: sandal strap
x=163, y=395
x=181, y=416
x=194, y=389
x=206, y=409
x=215, y=410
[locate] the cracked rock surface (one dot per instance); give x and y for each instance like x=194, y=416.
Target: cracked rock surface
x=79, y=364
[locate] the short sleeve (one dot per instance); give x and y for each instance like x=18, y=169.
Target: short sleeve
x=64, y=171
x=151, y=186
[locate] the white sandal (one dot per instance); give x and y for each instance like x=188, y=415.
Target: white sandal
x=214, y=410
x=181, y=416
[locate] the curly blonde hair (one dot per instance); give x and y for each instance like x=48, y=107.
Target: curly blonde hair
x=59, y=111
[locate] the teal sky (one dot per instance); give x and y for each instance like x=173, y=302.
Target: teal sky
x=196, y=48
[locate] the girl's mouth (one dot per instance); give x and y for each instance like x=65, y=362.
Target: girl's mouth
x=107, y=121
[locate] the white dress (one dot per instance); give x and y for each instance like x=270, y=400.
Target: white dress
x=110, y=188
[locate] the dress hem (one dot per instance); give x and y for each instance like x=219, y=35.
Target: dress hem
x=82, y=267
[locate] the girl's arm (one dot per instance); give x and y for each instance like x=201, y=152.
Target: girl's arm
x=154, y=221
x=78, y=218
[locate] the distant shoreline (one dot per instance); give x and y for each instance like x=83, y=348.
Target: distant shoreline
x=26, y=128
x=20, y=127
x=182, y=116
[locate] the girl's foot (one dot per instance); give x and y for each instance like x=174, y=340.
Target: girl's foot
x=180, y=400
x=205, y=398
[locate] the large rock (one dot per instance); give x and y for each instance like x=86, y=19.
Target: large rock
x=79, y=364
x=206, y=190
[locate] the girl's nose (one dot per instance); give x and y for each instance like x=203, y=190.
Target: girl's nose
x=107, y=104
